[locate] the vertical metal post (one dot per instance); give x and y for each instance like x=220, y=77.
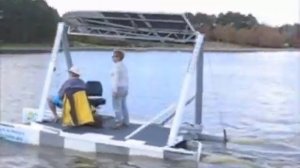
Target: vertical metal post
x=172, y=140
x=199, y=87
x=47, y=84
x=66, y=47
x=1, y=17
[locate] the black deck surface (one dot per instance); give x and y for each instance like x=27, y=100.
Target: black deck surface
x=153, y=135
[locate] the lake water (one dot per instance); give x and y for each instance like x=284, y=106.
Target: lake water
x=254, y=96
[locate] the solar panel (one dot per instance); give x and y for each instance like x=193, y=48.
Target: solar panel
x=129, y=25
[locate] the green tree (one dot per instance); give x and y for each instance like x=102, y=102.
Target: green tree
x=27, y=21
x=237, y=20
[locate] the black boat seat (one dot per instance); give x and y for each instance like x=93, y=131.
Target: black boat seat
x=94, y=92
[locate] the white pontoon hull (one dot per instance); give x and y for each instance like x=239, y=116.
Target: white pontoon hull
x=41, y=135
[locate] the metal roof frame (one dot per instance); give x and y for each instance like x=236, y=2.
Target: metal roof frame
x=128, y=25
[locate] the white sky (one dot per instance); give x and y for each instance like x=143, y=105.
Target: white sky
x=272, y=12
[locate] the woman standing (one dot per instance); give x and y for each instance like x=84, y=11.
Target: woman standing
x=120, y=89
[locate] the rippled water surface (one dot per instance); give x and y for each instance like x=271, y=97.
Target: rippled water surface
x=254, y=96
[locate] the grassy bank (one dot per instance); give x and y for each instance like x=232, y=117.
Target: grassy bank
x=208, y=47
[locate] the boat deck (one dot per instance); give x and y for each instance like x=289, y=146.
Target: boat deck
x=153, y=135
x=151, y=142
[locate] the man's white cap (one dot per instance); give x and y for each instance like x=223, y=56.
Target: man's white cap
x=74, y=70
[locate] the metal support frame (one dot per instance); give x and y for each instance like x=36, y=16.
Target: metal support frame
x=150, y=27
x=61, y=30
x=66, y=47
x=1, y=14
x=188, y=22
x=173, y=136
x=126, y=25
x=199, y=87
x=130, y=34
x=106, y=28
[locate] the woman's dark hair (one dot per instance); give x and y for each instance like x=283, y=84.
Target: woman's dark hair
x=120, y=54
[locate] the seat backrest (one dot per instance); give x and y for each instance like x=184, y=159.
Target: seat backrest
x=94, y=88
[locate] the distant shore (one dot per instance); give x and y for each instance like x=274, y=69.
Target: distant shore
x=208, y=47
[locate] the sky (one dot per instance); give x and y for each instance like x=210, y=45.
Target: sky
x=271, y=12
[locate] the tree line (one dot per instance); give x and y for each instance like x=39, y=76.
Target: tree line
x=33, y=21
x=242, y=29
x=27, y=21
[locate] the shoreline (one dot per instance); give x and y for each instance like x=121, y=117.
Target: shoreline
x=207, y=48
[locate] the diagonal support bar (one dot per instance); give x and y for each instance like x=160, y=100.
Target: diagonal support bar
x=162, y=117
x=167, y=119
x=47, y=84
